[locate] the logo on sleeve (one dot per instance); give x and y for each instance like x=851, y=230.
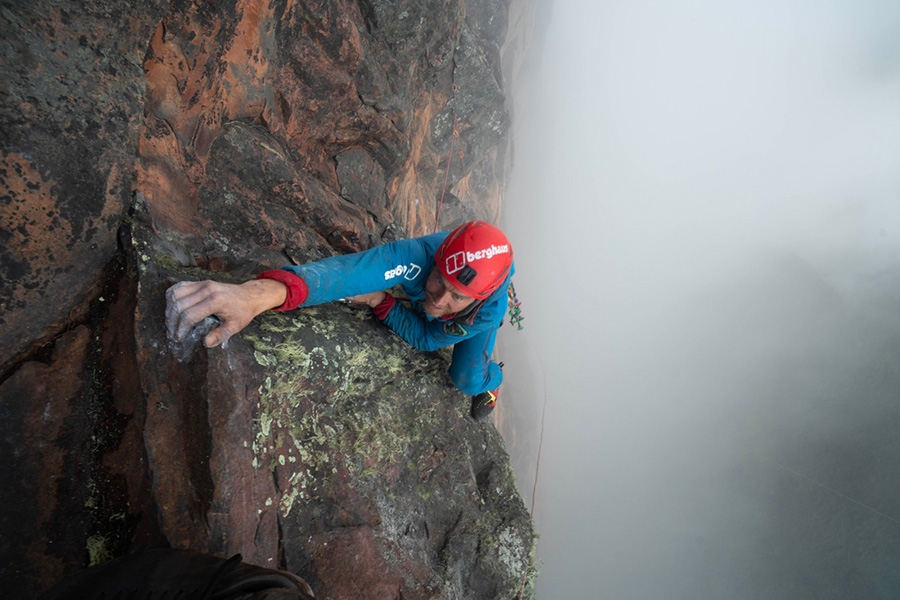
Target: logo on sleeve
x=409, y=272
x=454, y=328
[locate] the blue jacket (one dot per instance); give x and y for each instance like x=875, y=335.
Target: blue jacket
x=407, y=263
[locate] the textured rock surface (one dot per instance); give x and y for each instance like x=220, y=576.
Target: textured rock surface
x=73, y=96
x=149, y=141
x=332, y=446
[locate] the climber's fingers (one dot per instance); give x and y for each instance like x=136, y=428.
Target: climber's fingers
x=371, y=300
x=190, y=302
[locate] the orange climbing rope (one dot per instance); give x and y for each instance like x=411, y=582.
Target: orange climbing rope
x=537, y=467
x=515, y=319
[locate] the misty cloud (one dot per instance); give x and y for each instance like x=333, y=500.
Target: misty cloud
x=706, y=216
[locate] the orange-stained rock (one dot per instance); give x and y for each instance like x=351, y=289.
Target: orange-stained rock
x=411, y=94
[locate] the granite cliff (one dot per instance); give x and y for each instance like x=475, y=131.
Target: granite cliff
x=148, y=142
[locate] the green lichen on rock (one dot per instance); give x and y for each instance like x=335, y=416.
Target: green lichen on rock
x=98, y=550
x=355, y=426
x=329, y=397
x=345, y=395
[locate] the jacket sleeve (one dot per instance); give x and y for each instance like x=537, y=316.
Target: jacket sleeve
x=372, y=270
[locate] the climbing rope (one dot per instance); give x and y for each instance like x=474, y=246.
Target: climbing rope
x=455, y=136
x=798, y=474
x=515, y=318
x=537, y=466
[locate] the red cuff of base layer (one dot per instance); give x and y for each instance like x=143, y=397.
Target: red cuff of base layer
x=381, y=311
x=297, y=290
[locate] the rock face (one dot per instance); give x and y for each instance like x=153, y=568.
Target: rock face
x=73, y=96
x=148, y=142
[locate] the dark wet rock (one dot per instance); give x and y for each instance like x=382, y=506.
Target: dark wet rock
x=172, y=573
x=73, y=95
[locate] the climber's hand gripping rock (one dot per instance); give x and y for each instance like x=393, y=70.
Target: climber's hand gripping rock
x=190, y=302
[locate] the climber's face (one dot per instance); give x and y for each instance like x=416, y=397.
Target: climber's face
x=441, y=298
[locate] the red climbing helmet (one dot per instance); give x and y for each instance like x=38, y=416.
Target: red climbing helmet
x=476, y=258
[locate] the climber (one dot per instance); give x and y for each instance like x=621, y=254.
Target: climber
x=456, y=284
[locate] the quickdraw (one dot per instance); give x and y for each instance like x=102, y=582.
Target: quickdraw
x=515, y=308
